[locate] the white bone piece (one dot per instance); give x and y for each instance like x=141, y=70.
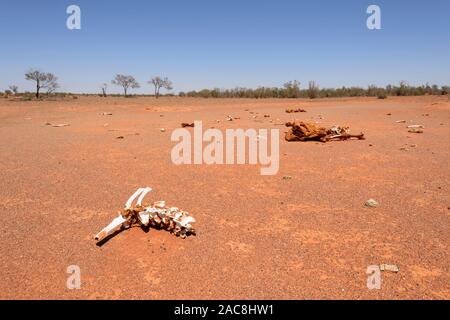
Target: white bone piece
x=185, y=222
x=129, y=203
x=111, y=228
x=159, y=204
x=144, y=218
x=143, y=194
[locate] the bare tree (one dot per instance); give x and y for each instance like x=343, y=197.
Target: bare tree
x=43, y=80
x=313, y=90
x=104, y=87
x=14, y=89
x=292, y=89
x=52, y=84
x=125, y=82
x=159, y=83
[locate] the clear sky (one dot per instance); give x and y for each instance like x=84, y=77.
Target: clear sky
x=209, y=43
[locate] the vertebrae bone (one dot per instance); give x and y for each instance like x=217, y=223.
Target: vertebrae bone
x=157, y=216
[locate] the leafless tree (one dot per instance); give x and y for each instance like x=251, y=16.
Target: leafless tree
x=14, y=89
x=125, y=82
x=43, y=80
x=52, y=83
x=159, y=83
x=313, y=90
x=104, y=87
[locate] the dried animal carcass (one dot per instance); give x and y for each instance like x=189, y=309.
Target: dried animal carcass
x=304, y=131
x=158, y=216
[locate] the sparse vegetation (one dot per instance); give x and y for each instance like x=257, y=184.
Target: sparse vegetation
x=313, y=90
x=125, y=82
x=43, y=81
x=104, y=87
x=292, y=90
x=159, y=83
x=381, y=95
x=14, y=89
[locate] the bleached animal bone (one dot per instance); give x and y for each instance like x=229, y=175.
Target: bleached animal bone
x=115, y=225
x=157, y=216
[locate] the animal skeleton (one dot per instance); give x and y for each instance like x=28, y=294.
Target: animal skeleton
x=157, y=216
x=303, y=131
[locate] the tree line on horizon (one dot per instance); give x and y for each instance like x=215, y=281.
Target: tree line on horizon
x=292, y=89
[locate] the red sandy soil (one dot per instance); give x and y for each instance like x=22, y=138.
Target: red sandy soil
x=259, y=237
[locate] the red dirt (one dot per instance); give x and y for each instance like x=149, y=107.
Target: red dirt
x=259, y=237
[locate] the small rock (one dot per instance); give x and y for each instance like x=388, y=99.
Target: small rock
x=287, y=178
x=371, y=203
x=120, y=137
x=162, y=130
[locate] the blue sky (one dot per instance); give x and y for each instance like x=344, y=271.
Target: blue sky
x=206, y=44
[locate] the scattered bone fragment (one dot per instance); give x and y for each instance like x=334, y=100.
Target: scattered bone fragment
x=416, y=126
x=415, y=130
x=401, y=121
x=59, y=125
x=158, y=216
x=389, y=267
x=106, y=114
x=371, y=203
x=115, y=225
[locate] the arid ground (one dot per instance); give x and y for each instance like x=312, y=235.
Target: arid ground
x=259, y=237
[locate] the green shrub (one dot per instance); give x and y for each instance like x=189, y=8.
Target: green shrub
x=381, y=95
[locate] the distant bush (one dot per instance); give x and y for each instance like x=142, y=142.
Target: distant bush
x=382, y=95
